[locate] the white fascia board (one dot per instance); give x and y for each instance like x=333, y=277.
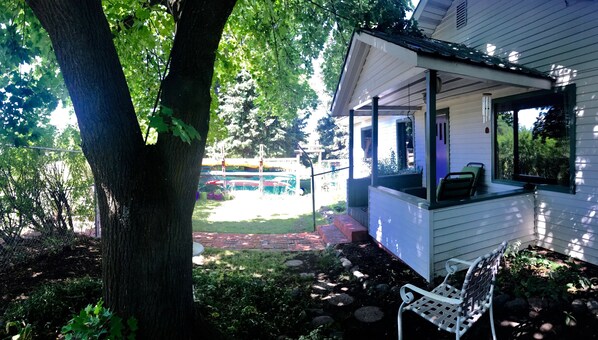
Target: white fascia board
x=404, y=54
x=483, y=73
x=350, y=73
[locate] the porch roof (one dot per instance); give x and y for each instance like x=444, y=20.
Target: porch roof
x=392, y=67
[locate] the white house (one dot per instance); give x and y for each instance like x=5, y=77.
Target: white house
x=509, y=84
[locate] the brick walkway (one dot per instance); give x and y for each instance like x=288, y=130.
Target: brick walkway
x=292, y=242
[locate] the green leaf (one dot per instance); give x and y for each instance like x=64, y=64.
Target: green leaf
x=158, y=123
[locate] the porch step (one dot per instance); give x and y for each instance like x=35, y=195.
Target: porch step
x=331, y=234
x=352, y=229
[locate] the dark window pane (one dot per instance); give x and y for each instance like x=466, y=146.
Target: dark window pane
x=533, y=140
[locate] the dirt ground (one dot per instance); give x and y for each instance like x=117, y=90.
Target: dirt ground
x=379, y=277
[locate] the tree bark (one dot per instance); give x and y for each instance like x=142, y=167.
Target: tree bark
x=145, y=193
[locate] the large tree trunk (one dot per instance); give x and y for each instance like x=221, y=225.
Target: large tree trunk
x=145, y=193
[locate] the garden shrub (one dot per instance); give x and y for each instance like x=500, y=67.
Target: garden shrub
x=50, y=306
x=529, y=273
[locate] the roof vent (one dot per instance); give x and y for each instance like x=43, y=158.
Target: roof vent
x=461, y=14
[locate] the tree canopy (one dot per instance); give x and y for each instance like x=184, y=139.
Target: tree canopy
x=274, y=42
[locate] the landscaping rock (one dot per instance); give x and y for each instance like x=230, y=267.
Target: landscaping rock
x=592, y=306
x=323, y=286
x=369, y=314
x=294, y=263
x=537, y=303
x=546, y=327
x=341, y=300
x=358, y=274
x=533, y=314
x=307, y=275
x=517, y=306
x=382, y=288
x=579, y=307
x=499, y=301
x=346, y=263
x=197, y=260
x=322, y=320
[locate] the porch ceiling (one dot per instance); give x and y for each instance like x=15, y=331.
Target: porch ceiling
x=393, y=68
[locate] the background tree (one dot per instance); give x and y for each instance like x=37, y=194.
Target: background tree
x=333, y=138
x=247, y=125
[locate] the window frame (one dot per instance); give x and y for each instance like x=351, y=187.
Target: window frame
x=539, y=98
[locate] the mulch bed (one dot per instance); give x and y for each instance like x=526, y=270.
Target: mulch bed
x=372, y=278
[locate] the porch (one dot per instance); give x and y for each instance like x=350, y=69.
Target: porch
x=392, y=80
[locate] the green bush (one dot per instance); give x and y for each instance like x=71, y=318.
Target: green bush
x=531, y=274
x=98, y=322
x=50, y=306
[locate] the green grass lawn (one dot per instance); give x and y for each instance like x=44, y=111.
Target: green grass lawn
x=228, y=217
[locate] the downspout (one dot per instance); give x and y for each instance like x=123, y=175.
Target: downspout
x=375, y=141
x=431, y=135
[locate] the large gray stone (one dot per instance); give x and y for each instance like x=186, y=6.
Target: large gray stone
x=341, y=300
x=322, y=320
x=369, y=314
x=346, y=263
x=294, y=263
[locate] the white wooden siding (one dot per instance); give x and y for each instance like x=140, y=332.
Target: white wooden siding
x=472, y=230
x=402, y=228
x=552, y=37
x=387, y=137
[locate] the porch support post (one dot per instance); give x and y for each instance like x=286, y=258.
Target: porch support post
x=374, y=141
x=431, y=135
x=351, y=143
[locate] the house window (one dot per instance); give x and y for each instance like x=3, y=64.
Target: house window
x=461, y=15
x=366, y=142
x=534, y=135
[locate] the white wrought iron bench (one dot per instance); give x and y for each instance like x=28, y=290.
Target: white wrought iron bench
x=451, y=309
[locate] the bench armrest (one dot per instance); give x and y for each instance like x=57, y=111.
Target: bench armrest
x=408, y=297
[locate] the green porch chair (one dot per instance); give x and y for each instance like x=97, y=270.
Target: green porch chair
x=478, y=170
x=455, y=186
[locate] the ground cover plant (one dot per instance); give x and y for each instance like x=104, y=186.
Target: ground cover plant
x=256, y=295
